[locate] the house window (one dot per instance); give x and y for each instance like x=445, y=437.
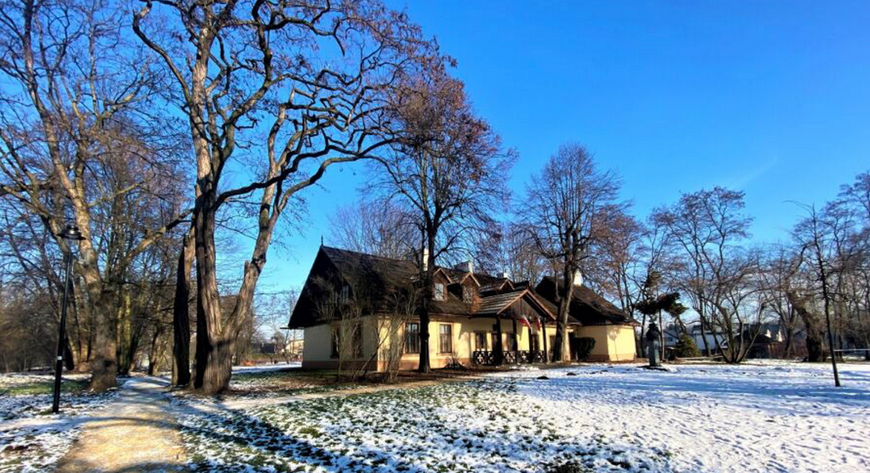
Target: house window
x=467, y=295
x=412, y=338
x=439, y=291
x=480, y=341
x=345, y=293
x=445, y=332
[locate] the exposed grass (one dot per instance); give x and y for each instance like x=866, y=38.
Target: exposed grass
x=469, y=426
x=67, y=386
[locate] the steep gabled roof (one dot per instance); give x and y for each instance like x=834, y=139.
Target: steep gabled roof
x=381, y=279
x=361, y=268
x=587, y=307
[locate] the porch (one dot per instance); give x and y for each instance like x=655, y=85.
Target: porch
x=523, y=340
x=489, y=357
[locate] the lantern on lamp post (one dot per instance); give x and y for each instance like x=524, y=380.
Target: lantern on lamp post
x=71, y=234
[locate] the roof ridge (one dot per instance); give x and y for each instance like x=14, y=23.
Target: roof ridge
x=370, y=255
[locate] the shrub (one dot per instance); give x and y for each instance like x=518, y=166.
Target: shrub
x=584, y=347
x=685, y=347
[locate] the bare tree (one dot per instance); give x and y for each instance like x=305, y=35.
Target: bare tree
x=565, y=214
x=618, y=262
x=779, y=280
x=446, y=171
x=302, y=84
x=374, y=227
x=79, y=140
x=511, y=252
x=705, y=229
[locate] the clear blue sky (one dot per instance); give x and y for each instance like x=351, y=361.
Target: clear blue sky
x=772, y=98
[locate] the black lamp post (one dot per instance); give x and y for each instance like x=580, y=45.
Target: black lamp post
x=70, y=234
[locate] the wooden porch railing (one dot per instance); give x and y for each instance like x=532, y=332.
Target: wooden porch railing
x=487, y=357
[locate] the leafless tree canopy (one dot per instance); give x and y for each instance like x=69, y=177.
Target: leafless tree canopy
x=81, y=141
x=376, y=228
x=445, y=170
x=565, y=212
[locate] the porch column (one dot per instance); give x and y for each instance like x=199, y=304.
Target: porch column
x=544, y=334
x=498, y=350
x=516, y=342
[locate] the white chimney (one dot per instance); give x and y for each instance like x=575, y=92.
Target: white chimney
x=467, y=266
x=505, y=275
x=578, y=278
x=425, y=259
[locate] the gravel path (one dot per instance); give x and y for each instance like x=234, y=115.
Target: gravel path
x=134, y=433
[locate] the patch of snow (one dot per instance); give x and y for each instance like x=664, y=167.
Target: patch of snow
x=267, y=367
x=758, y=416
x=33, y=439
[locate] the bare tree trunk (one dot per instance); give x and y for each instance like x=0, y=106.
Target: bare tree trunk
x=424, y=306
x=704, y=331
x=812, y=324
x=154, y=352
x=126, y=345
x=639, y=338
x=181, y=315
x=213, y=352
x=104, y=368
x=561, y=348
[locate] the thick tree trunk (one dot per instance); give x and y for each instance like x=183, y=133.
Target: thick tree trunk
x=639, y=338
x=213, y=352
x=104, y=367
x=181, y=315
x=428, y=294
x=215, y=378
x=125, y=342
x=561, y=348
x=813, y=325
x=154, y=352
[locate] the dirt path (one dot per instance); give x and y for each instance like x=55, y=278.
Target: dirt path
x=134, y=433
x=138, y=432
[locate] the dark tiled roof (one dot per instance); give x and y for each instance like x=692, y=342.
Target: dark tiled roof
x=587, y=307
x=381, y=278
x=360, y=269
x=492, y=305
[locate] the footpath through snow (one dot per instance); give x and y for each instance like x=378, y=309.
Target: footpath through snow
x=134, y=433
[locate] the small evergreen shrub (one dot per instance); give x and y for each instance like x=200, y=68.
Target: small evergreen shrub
x=584, y=347
x=685, y=347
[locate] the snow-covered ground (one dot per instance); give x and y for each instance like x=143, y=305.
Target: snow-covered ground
x=31, y=437
x=754, y=417
x=770, y=416
x=760, y=416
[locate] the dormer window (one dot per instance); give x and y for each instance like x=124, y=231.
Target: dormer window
x=467, y=295
x=439, y=291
